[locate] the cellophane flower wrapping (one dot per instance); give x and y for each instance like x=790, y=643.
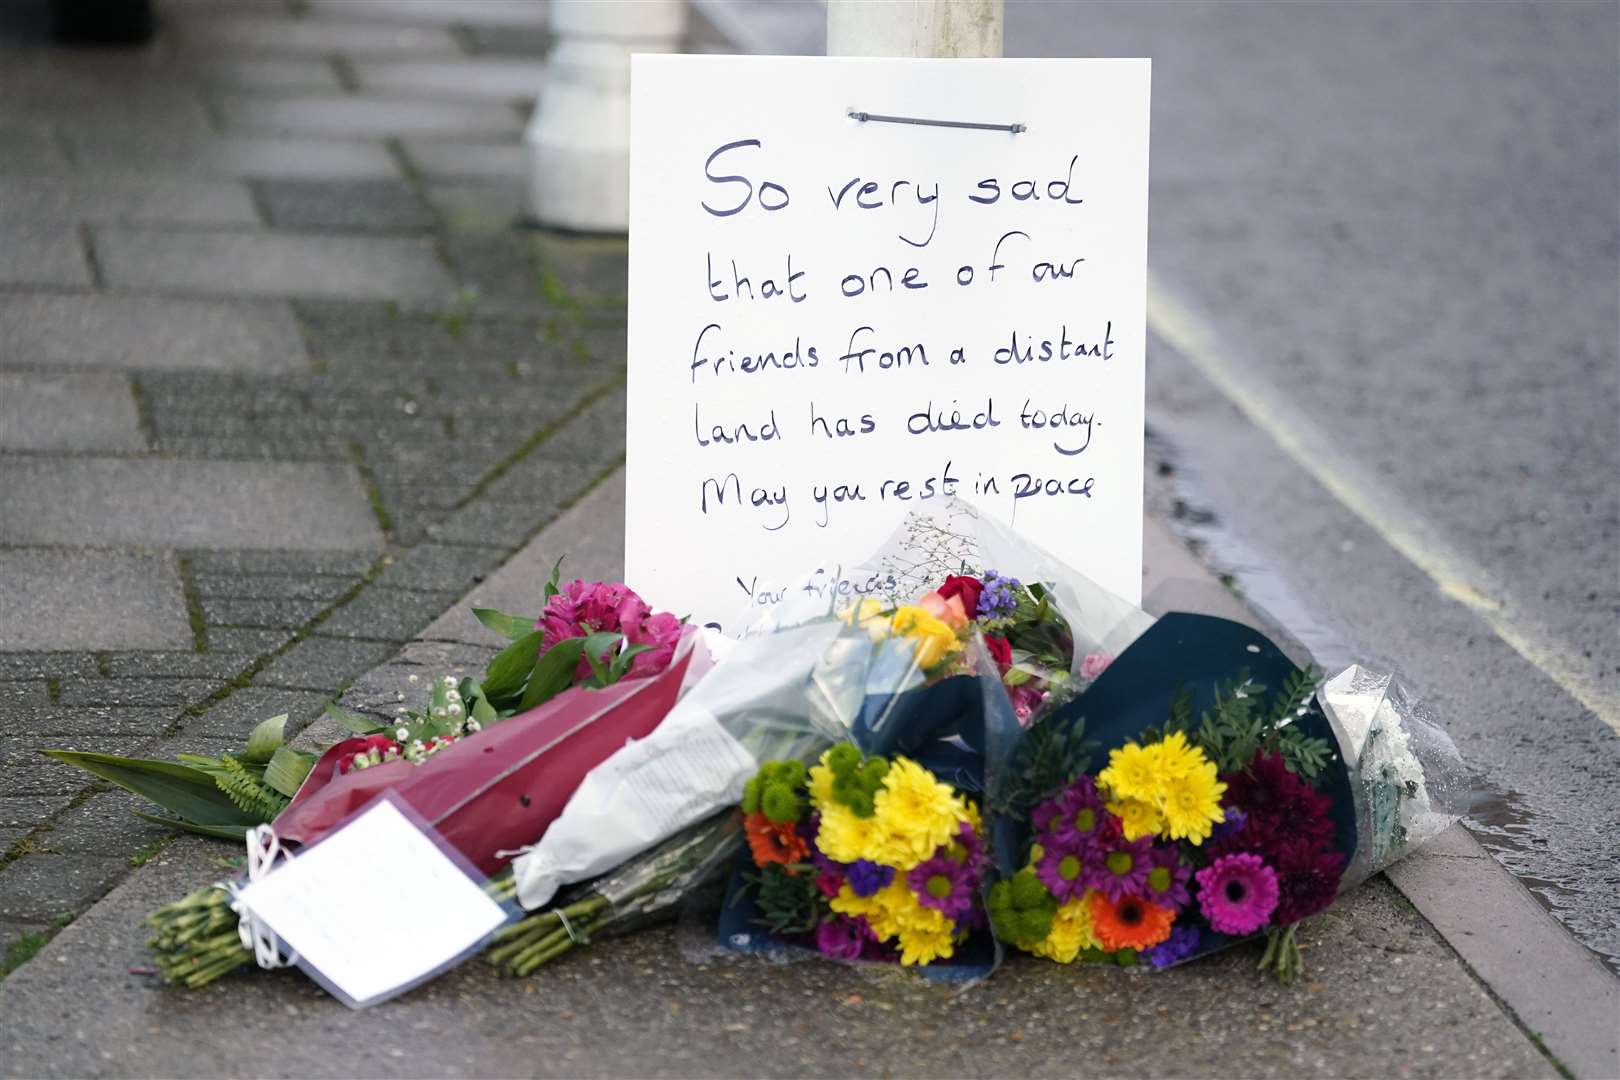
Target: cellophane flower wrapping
x=498, y=789
x=1409, y=781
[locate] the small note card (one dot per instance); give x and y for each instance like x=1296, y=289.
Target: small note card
x=375, y=908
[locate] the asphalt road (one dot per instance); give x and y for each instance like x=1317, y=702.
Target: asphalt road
x=1385, y=364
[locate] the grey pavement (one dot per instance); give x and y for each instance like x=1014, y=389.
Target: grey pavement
x=266, y=409
x=1386, y=993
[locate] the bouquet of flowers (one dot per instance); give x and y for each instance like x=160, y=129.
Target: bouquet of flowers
x=863, y=856
x=1221, y=809
x=488, y=764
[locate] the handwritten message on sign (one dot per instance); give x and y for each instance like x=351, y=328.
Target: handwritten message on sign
x=833, y=322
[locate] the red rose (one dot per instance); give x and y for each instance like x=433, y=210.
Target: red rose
x=968, y=588
x=1000, y=651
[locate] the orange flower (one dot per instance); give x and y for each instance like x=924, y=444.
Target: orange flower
x=1129, y=922
x=771, y=843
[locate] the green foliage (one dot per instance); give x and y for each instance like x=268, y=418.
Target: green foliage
x=777, y=791
x=185, y=790
x=1047, y=759
x=856, y=782
x=248, y=790
x=21, y=951
x=510, y=627
x=1021, y=909
x=1242, y=722
x=788, y=900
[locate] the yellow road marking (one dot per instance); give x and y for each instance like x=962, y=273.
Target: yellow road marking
x=1455, y=574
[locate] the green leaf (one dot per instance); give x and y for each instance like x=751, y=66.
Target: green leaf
x=511, y=627
x=553, y=672
x=597, y=645
x=218, y=832
x=556, y=576
x=505, y=674
x=265, y=740
x=287, y=770
x=621, y=663
x=478, y=706
x=184, y=790
x=360, y=725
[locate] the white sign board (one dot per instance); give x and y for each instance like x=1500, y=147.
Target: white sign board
x=833, y=321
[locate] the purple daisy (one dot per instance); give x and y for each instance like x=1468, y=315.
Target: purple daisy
x=973, y=856
x=1079, y=817
x=1122, y=868
x=943, y=884
x=1237, y=893
x=1167, y=879
x=1062, y=870
x=1175, y=948
x=866, y=878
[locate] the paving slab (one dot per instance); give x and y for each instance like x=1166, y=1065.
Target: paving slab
x=346, y=205
x=272, y=36
x=477, y=78
x=439, y=159
x=186, y=504
x=261, y=264
x=107, y=198
x=367, y=117
x=53, y=724
x=323, y=664
x=589, y=537
x=41, y=254
x=252, y=156
x=269, y=73
x=60, y=411
x=84, y=600
x=150, y=333
x=30, y=149
x=493, y=13
x=1385, y=997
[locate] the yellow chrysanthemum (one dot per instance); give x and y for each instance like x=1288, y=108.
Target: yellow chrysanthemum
x=1137, y=818
x=1132, y=773
x=933, y=640
x=925, y=946
x=914, y=813
x=1175, y=758
x=844, y=836
x=868, y=615
x=1192, y=804
x=1071, y=932
x=969, y=812
x=878, y=916
x=821, y=782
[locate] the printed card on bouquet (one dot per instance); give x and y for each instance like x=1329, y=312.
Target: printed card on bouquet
x=325, y=903
x=835, y=321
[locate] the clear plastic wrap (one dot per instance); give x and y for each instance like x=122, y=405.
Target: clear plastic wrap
x=1408, y=779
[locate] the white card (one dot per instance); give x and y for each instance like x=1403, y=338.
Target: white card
x=374, y=907
x=938, y=310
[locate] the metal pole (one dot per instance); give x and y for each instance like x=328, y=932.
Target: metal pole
x=914, y=27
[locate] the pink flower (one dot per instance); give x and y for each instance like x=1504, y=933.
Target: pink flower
x=1025, y=699
x=947, y=610
x=662, y=631
x=1094, y=665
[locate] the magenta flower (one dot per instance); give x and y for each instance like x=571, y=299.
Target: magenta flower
x=1122, y=868
x=582, y=608
x=661, y=631
x=943, y=884
x=1062, y=869
x=1167, y=878
x=1237, y=894
x=841, y=937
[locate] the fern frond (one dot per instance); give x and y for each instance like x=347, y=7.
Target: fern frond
x=247, y=791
